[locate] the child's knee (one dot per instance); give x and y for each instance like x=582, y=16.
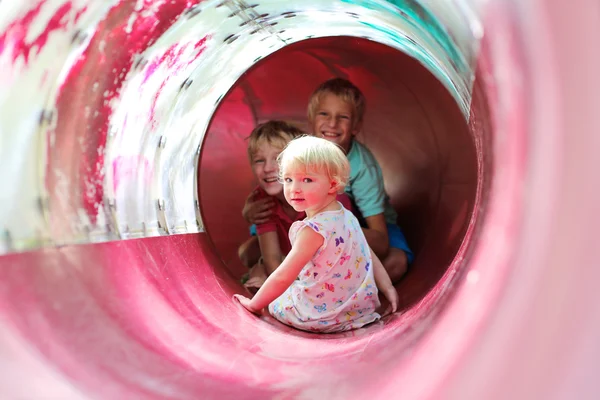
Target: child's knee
x=396, y=264
x=243, y=254
x=249, y=252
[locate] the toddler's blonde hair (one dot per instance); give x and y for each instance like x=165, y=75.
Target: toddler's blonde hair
x=314, y=154
x=274, y=132
x=345, y=90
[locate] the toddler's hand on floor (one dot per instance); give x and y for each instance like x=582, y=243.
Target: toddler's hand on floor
x=245, y=302
x=392, y=295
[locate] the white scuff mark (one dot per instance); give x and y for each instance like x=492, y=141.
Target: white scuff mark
x=130, y=22
x=473, y=277
x=139, y=5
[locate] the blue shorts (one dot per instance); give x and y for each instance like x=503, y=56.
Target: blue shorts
x=253, y=230
x=398, y=241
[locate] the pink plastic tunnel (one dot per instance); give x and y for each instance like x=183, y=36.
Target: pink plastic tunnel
x=122, y=151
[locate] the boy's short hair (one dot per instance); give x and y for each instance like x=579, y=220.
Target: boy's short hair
x=275, y=133
x=317, y=154
x=345, y=90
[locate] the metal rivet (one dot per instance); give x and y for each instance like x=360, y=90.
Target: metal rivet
x=78, y=37
x=186, y=84
x=46, y=116
x=193, y=11
x=231, y=38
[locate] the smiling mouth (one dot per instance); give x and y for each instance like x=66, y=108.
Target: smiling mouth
x=270, y=180
x=330, y=134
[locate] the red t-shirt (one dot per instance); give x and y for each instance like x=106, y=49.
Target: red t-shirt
x=280, y=222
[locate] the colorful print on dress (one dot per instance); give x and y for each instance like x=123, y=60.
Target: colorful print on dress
x=348, y=275
x=321, y=308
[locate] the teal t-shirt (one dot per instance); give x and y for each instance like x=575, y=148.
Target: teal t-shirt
x=366, y=184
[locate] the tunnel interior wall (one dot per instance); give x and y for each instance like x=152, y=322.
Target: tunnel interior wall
x=412, y=125
x=97, y=146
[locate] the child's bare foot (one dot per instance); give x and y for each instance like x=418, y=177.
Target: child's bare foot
x=256, y=277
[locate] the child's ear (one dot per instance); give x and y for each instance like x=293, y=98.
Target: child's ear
x=334, y=186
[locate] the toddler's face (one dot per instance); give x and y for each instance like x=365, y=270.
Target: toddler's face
x=307, y=191
x=266, y=169
x=333, y=121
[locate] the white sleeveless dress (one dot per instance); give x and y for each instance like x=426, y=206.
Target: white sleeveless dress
x=336, y=290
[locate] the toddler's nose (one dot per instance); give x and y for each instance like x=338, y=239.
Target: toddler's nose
x=295, y=187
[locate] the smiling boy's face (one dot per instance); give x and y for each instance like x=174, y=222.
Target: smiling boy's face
x=333, y=121
x=266, y=168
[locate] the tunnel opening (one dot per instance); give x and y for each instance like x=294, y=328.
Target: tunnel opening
x=413, y=125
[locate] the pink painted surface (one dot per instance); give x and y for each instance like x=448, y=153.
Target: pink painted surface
x=123, y=167
x=148, y=328
x=93, y=82
x=14, y=37
x=153, y=318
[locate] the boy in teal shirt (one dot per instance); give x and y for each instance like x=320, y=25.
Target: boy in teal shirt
x=335, y=112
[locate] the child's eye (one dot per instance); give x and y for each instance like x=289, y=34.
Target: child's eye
x=307, y=180
x=287, y=180
x=322, y=113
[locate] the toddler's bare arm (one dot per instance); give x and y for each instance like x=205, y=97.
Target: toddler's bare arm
x=306, y=245
x=384, y=283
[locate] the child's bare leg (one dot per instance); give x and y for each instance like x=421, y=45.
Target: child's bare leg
x=396, y=264
x=249, y=252
x=257, y=276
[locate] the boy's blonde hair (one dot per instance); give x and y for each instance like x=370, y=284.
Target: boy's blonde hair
x=343, y=89
x=275, y=133
x=317, y=155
